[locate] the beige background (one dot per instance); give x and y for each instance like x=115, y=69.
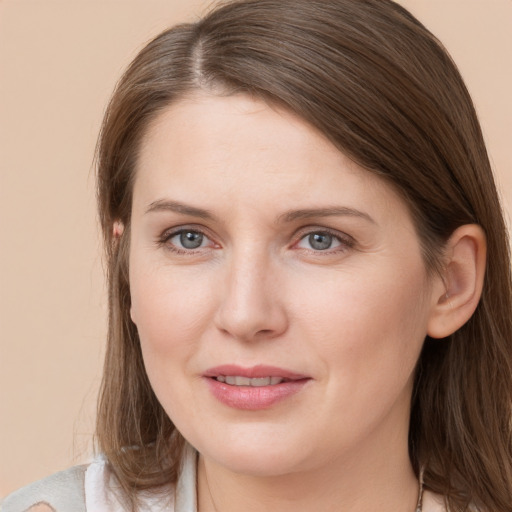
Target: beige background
x=59, y=61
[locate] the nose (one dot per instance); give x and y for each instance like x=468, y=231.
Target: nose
x=251, y=305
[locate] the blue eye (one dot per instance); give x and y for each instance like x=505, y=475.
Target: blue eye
x=188, y=239
x=319, y=241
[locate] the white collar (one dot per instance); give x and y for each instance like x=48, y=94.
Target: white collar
x=101, y=485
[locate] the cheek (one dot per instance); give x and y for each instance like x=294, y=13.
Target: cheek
x=170, y=314
x=369, y=327
x=169, y=308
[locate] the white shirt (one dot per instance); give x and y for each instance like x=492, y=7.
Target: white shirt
x=100, y=484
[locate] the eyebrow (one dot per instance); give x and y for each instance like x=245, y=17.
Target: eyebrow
x=174, y=206
x=323, y=212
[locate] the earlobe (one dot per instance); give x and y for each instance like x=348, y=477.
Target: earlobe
x=461, y=284
x=117, y=229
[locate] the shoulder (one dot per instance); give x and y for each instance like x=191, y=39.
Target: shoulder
x=95, y=488
x=61, y=492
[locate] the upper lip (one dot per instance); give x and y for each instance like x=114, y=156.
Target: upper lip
x=253, y=372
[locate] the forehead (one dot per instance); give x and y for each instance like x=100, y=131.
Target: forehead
x=206, y=147
x=214, y=124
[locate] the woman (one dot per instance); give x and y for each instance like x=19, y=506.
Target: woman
x=310, y=294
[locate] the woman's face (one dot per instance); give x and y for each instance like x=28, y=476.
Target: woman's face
x=278, y=289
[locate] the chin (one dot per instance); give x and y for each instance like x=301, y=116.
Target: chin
x=256, y=455
x=258, y=464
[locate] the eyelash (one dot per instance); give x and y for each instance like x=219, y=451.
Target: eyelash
x=164, y=239
x=345, y=242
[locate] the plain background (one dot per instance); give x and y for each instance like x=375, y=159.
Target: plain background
x=59, y=61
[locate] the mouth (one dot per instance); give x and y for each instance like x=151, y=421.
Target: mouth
x=238, y=380
x=255, y=376
x=254, y=388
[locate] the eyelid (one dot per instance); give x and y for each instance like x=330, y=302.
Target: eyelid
x=164, y=238
x=346, y=240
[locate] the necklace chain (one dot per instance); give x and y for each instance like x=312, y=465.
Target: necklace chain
x=211, y=495
x=419, y=505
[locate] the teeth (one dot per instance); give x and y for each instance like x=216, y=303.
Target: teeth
x=261, y=381
x=238, y=381
x=246, y=381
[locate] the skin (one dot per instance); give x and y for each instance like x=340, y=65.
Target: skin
x=352, y=317
x=41, y=507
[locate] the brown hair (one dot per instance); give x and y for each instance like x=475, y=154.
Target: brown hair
x=382, y=88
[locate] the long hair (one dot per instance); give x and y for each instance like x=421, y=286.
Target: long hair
x=383, y=90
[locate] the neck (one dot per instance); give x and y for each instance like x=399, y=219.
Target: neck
x=376, y=476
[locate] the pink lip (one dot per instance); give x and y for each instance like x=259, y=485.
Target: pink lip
x=254, y=398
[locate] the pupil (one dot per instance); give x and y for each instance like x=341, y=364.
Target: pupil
x=320, y=241
x=191, y=239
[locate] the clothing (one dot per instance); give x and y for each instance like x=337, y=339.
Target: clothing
x=92, y=488
x=64, y=491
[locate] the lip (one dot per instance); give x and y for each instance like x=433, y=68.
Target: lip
x=254, y=398
x=254, y=372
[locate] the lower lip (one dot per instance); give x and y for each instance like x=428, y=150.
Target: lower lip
x=254, y=398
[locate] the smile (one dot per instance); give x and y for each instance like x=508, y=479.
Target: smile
x=246, y=381
x=254, y=388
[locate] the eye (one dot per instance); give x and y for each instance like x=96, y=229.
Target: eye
x=188, y=239
x=184, y=240
x=321, y=241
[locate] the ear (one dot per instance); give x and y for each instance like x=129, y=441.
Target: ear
x=117, y=233
x=457, y=291
x=117, y=229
